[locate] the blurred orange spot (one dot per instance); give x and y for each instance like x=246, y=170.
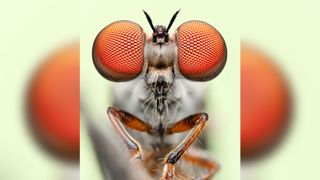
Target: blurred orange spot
x=54, y=102
x=264, y=103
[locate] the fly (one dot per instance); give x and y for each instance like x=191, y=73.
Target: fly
x=158, y=94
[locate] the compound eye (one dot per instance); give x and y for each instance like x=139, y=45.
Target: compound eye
x=118, y=51
x=202, y=51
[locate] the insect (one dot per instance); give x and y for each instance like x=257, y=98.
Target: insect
x=158, y=94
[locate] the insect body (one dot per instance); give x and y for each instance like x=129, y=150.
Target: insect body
x=157, y=99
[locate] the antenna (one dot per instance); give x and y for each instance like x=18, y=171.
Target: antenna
x=149, y=20
x=172, y=20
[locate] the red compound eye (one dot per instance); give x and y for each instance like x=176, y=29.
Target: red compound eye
x=202, y=51
x=118, y=51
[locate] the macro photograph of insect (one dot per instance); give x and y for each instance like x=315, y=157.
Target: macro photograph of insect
x=160, y=90
x=151, y=88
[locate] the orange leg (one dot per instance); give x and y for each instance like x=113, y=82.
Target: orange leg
x=196, y=122
x=116, y=116
x=202, y=158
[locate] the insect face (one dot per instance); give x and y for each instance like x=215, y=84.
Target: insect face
x=160, y=56
x=196, y=51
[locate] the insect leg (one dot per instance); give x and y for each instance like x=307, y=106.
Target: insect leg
x=196, y=122
x=116, y=116
x=113, y=163
x=202, y=158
